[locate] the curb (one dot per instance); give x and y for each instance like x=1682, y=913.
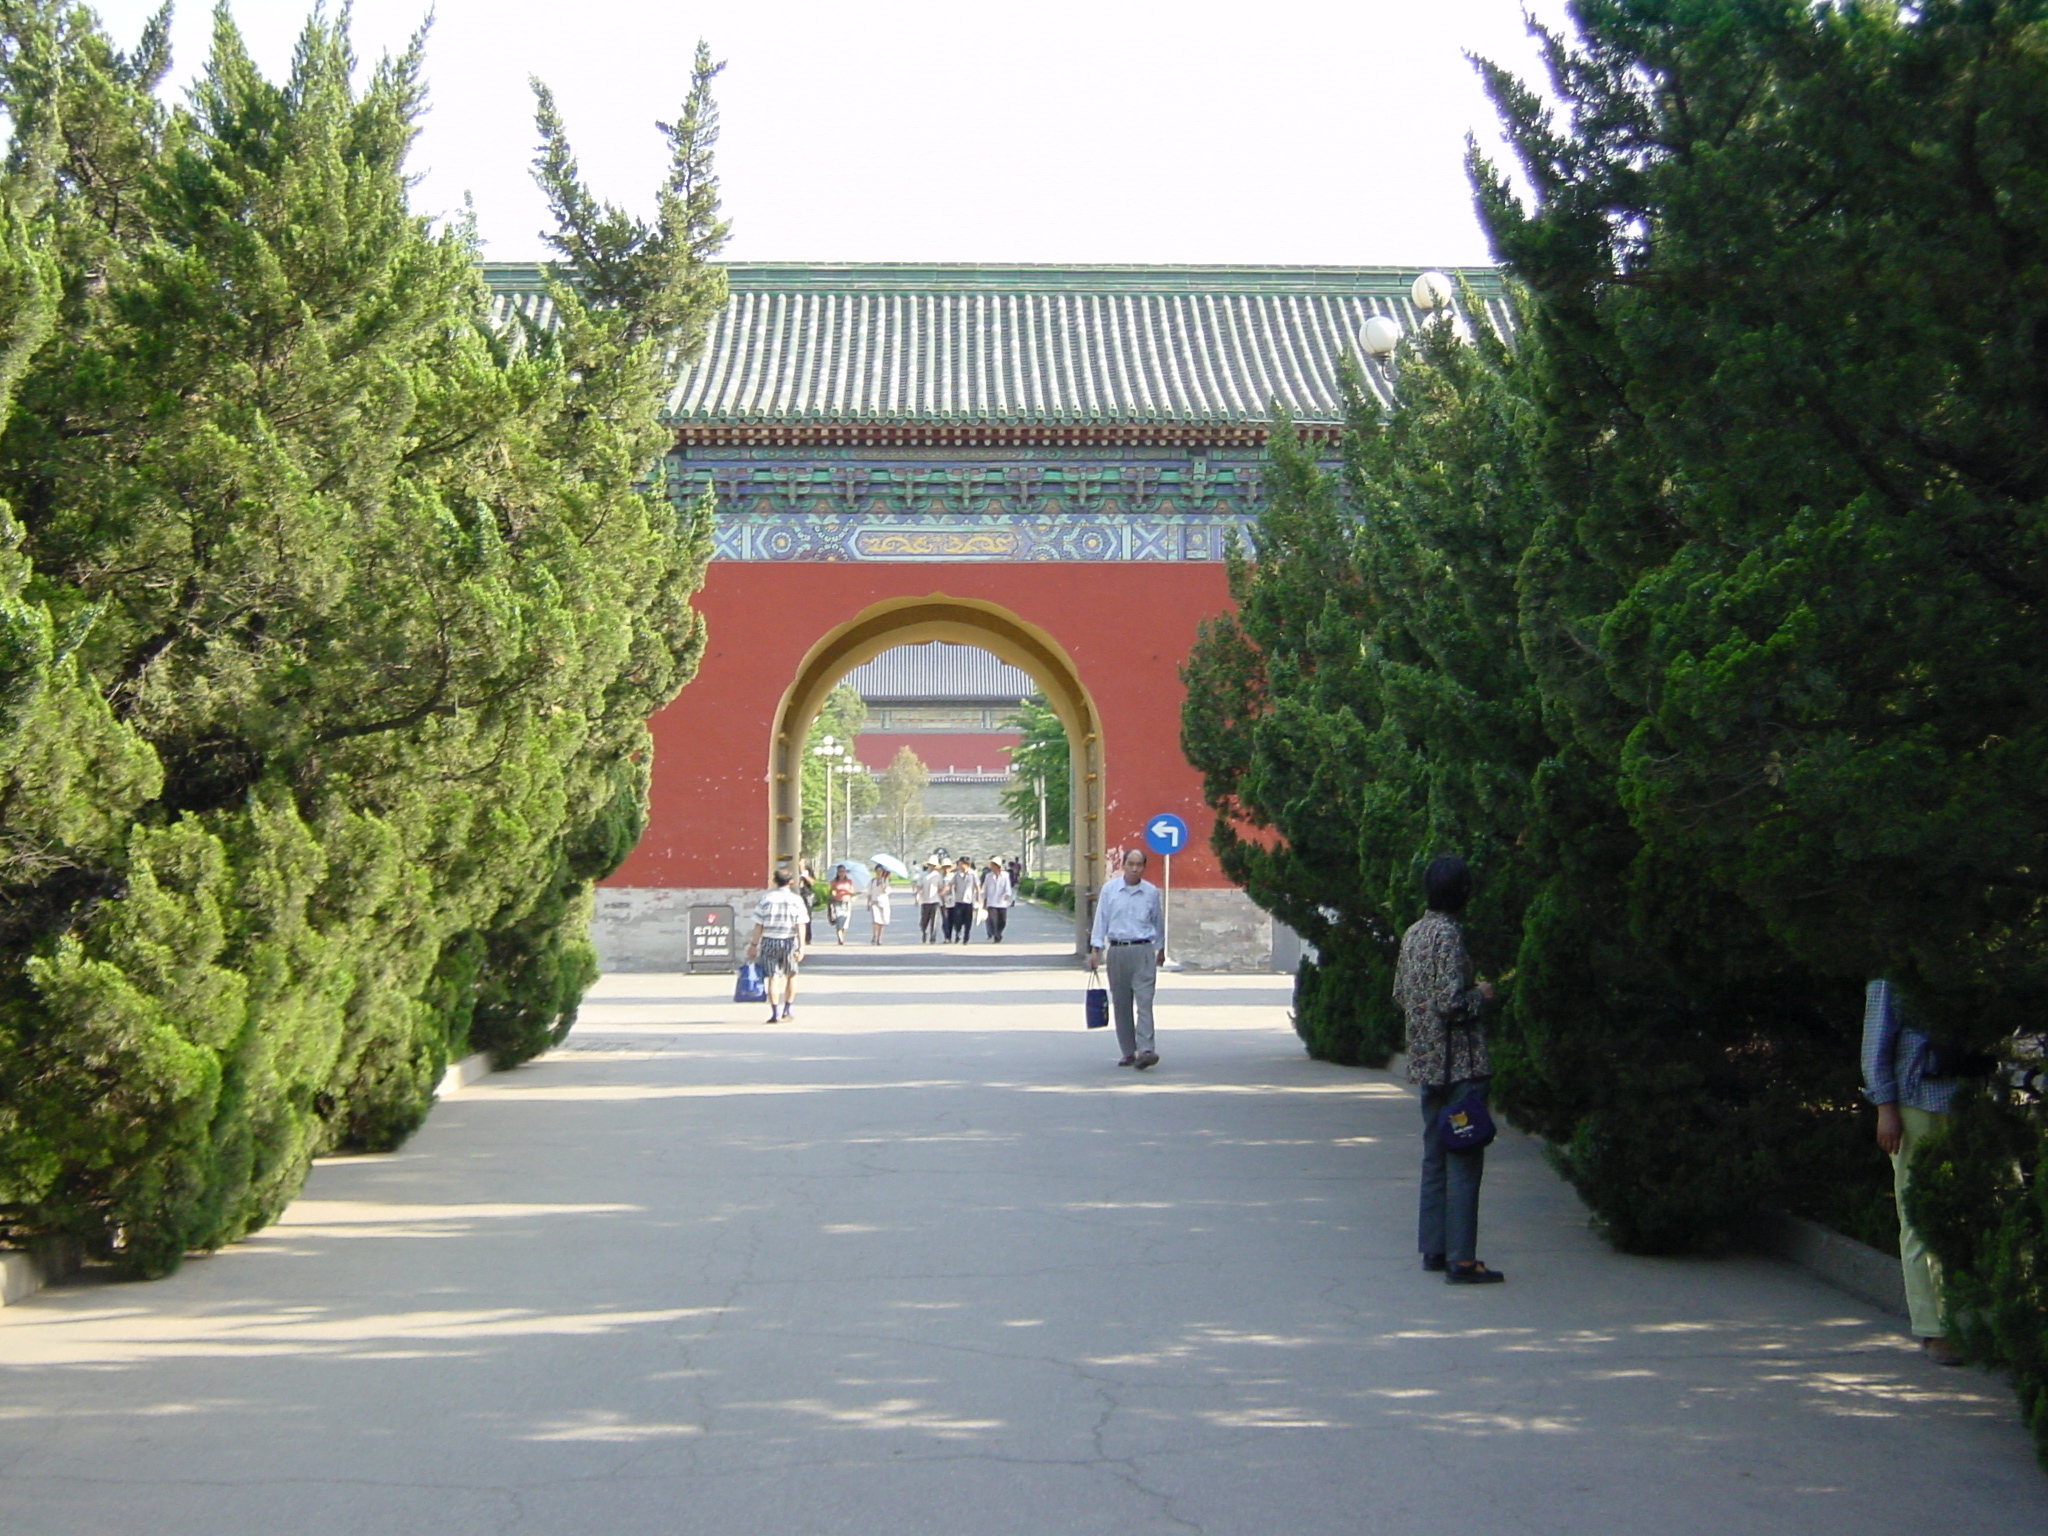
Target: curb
x=23, y=1272
x=1867, y=1273
x=461, y=1074
x=1857, y=1268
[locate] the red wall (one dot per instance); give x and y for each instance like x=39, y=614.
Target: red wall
x=940, y=751
x=1125, y=626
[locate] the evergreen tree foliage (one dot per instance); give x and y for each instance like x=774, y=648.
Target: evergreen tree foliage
x=1366, y=706
x=842, y=717
x=1790, y=271
x=333, y=618
x=1980, y=1197
x=1372, y=702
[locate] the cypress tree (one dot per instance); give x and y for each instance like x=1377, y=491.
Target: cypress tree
x=1390, y=688
x=1366, y=706
x=1792, y=268
x=356, y=609
x=1791, y=274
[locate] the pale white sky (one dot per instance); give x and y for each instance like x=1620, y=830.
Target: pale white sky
x=1297, y=131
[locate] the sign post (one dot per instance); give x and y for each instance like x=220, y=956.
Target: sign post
x=1166, y=834
x=711, y=939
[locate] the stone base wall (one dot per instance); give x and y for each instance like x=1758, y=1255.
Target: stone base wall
x=648, y=929
x=1220, y=931
x=644, y=929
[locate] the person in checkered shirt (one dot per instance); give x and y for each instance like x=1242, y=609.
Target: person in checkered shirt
x=777, y=945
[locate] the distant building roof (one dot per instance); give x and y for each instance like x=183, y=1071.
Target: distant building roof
x=1023, y=346
x=940, y=672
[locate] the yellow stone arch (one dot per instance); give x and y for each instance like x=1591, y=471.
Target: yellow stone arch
x=965, y=621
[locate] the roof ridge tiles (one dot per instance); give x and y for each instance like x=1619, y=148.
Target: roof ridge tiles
x=1018, y=347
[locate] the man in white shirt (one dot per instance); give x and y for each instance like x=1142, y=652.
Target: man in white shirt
x=777, y=943
x=931, y=884
x=1129, y=925
x=961, y=890
x=995, y=899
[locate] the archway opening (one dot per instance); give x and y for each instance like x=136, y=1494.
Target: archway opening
x=961, y=621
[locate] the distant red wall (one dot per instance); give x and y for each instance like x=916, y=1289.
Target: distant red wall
x=940, y=751
x=1126, y=627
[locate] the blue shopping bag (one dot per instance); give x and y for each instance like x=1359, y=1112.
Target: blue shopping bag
x=1098, y=1007
x=752, y=986
x=1465, y=1126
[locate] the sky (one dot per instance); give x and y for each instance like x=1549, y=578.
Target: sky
x=1068, y=131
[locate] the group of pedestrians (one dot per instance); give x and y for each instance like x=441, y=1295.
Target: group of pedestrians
x=844, y=891
x=950, y=896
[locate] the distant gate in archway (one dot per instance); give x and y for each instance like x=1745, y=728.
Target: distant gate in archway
x=1047, y=462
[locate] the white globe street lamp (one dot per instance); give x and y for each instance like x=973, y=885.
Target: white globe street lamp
x=1380, y=336
x=1431, y=291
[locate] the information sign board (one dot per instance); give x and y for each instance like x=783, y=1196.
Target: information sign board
x=712, y=947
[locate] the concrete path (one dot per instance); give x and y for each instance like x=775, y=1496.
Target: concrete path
x=925, y=1260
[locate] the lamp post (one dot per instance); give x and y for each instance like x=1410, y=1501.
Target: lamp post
x=1039, y=785
x=828, y=751
x=848, y=768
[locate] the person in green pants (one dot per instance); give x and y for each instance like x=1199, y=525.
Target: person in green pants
x=1911, y=1105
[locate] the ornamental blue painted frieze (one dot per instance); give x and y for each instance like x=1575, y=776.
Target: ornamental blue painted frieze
x=990, y=536
x=1020, y=504
x=1024, y=504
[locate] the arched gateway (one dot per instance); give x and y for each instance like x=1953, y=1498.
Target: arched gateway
x=1046, y=462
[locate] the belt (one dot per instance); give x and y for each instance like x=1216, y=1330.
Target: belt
x=1130, y=941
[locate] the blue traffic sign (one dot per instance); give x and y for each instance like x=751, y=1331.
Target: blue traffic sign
x=1166, y=834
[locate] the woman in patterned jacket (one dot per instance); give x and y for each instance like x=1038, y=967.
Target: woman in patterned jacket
x=1447, y=1061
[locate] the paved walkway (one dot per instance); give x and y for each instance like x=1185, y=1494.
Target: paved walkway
x=925, y=1261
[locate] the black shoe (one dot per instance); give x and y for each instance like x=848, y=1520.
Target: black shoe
x=773, y=1015
x=1474, y=1273
x=1146, y=1059
x=1128, y=1061
x=1435, y=1263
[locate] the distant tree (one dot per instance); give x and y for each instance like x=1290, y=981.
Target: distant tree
x=901, y=824
x=1042, y=758
x=843, y=717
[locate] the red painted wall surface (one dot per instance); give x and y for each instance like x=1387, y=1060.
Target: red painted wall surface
x=1125, y=627
x=940, y=751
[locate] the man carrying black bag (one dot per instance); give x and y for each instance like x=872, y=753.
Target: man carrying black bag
x=1129, y=926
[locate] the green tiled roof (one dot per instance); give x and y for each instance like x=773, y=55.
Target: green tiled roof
x=889, y=343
